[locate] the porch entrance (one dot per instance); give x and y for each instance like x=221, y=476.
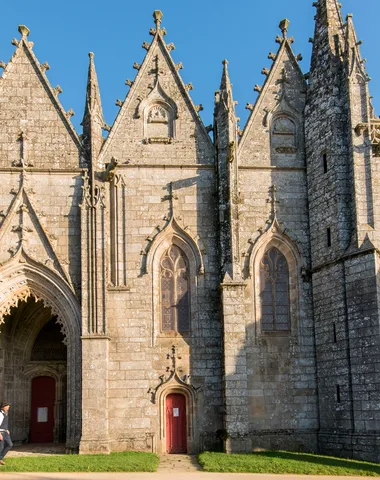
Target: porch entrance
x=34, y=377
x=176, y=429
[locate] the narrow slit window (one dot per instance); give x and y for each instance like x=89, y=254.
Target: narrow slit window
x=338, y=397
x=324, y=161
x=328, y=234
x=334, y=333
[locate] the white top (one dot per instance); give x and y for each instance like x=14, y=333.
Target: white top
x=1, y=419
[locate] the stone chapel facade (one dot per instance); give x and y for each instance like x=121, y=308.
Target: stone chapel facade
x=164, y=291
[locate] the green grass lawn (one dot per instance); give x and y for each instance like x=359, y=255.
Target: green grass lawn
x=115, y=462
x=285, y=462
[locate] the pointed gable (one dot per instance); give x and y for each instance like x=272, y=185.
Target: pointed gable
x=273, y=135
x=23, y=232
x=158, y=122
x=40, y=133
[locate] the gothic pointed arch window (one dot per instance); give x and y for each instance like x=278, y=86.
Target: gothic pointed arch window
x=274, y=292
x=175, y=291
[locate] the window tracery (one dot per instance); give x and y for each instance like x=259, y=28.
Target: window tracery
x=175, y=305
x=274, y=292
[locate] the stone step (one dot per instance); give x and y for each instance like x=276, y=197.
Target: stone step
x=178, y=463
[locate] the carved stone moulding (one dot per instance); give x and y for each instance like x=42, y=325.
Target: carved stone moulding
x=159, y=140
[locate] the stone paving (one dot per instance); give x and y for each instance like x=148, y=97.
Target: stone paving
x=36, y=449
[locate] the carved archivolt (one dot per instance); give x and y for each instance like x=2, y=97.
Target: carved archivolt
x=23, y=277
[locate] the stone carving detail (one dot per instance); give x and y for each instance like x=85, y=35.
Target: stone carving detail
x=373, y=130
x=158, y=114
x=174, y=377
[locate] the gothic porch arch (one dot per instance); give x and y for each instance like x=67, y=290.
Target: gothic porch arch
x=22, y=278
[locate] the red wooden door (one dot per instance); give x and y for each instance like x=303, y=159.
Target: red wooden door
x=176, y=437
x=42, y=415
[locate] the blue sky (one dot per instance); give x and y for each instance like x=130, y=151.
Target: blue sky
x=204, y=33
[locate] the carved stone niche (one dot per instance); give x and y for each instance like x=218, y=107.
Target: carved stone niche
x=159, y=124
x=283, y=136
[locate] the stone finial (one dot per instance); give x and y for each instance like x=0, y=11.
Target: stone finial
x=157, y=15
x=24, y=30
x=119, y=103
x=283, y=26
x=170, y=47
x=257, y=88
x=70, y=113
x=225, y=62
x=265, y=71
x=189, y=86
x=272, y=56
x=2, y=64
x=179, y=66
x=136, y=66
x=146, y=45
x=129, y=82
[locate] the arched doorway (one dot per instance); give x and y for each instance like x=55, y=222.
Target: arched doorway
x=176, y=423
x=31, y=295
x=35, y=369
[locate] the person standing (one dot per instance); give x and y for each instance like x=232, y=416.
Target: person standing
x=5, y=438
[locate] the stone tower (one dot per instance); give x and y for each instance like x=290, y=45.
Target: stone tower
x=342, y=157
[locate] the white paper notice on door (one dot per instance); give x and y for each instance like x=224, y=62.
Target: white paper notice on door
x=175, y=412
x=42, y=414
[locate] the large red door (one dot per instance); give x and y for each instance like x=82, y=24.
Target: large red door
x=42, y=414
x=176, y=437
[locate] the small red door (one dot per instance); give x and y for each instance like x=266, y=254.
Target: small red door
x=42, y=415
x=176, y=437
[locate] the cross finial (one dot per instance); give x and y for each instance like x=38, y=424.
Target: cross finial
x=273, y=200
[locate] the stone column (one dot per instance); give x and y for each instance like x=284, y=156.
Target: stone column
x=236, y=419
x=95, y=437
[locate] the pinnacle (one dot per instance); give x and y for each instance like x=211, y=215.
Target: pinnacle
x=225, y=83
